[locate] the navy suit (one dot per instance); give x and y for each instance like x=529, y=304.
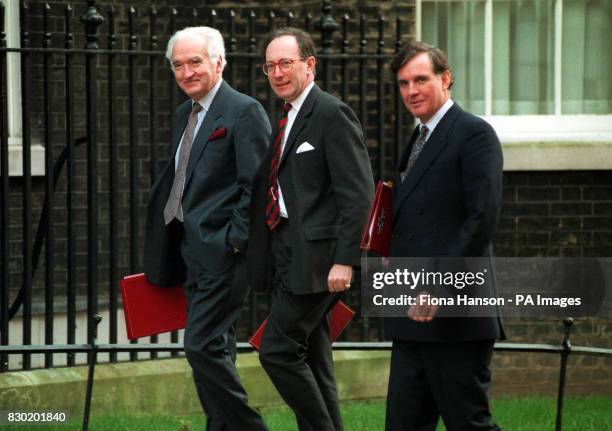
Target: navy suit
x=448, y=205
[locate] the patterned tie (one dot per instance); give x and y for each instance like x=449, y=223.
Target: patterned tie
x=415, y=151
x=273, y=209
x=173, y=205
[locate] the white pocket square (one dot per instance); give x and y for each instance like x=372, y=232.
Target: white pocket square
x=304, y=147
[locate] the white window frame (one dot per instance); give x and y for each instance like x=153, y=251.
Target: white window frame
x=13, y=79
x=543, y=142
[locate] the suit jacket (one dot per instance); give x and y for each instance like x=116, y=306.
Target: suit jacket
x=327, y=192
x=216, y=195
x=449, y=205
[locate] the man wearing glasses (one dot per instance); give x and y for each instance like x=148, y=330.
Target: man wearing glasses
x=310, y=202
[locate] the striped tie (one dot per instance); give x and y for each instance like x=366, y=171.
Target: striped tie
x=272, y=209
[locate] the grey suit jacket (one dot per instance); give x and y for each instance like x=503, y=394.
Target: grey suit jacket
x=327, y=191
x=449, y=205
x=217, y=191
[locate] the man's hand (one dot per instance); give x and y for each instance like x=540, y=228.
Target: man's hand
x=339, y=278
x=422, y=311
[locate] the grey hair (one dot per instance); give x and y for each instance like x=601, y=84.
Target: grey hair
x=209, y=36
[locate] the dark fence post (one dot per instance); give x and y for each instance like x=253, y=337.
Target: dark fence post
x=345, y=45
x=363, y=116
x=363, y=83
x=173, y=88
x=133, y=147
x=380, y=81
x=4, y=201
x=173, y=92
x=327, y=26
x=92, y=358
x=307, y=21
x=195, y=20
x=290, y=18
x=133, y=139
x=271, y=95
x=49, y=189
x=252, y=71
x=232, y=47
x=92, y=20
x=152, y=89
x=113, y=182
x=567, y=349
x=27, y=186
x=212, y=18
x=70, y=189
x=398, y=105
x=152, y=118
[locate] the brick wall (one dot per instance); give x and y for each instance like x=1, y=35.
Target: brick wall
x=556, y=214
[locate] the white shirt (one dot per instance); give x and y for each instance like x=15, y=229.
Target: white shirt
x=205, y=103
x=295, y=108
x=435, y=119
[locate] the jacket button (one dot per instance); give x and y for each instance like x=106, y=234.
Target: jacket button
x=410, y=237
x=420, y=210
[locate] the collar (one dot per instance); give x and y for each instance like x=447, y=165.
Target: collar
x=206, y=101
x=299, y=101
x=435, y=119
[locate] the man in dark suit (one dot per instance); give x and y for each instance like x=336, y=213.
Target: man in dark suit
x=446, y=203
x=310, y=203
x=197, y=223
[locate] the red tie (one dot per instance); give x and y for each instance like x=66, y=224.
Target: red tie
x=273, y=209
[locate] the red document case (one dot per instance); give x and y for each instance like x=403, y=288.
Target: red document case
x=376, y=236
x=341, y=315
x=150, y=309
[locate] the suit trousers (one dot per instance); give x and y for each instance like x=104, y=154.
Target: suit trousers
x=296, y=349
x=214, y=305
x=429, y=380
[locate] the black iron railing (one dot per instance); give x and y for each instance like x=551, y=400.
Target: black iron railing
x=100, y=102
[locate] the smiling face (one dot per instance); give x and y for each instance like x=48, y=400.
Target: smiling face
x=423, y=91
x=289, y=85
x=193, y=70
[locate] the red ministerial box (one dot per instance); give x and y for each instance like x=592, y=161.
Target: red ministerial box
x=376, y=237
x=150, y=309
x=341, y=315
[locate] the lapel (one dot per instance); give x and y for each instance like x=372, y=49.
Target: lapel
x=300, y=121
x=431, y=150
x=216, y=111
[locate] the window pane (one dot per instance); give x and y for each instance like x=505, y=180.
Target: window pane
x=586, y=62
x=457, y=27
x=523, y=57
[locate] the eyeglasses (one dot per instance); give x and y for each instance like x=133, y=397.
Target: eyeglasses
x=284, y=64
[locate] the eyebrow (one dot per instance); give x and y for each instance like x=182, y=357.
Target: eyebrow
x=195, y=57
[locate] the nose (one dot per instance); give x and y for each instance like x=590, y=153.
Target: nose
x=187, y=71
x=277, y=72
x=412, y=89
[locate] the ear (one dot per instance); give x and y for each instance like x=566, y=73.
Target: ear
x=219, y=64
x=311, y=63
x=446, y=79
